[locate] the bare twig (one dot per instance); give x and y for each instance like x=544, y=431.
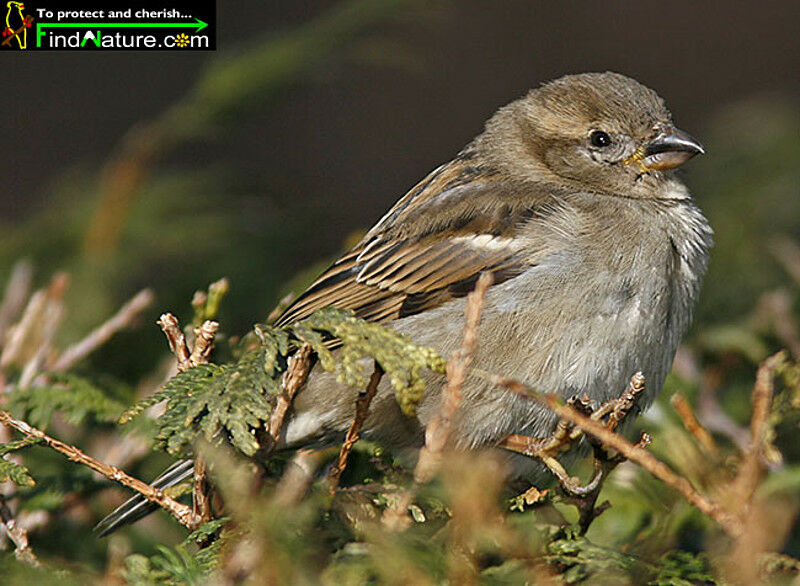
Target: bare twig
x=17, y=291
x=181, y=512
x=710, y=412
x=203, y=343
x=17, y=534
x=730, y=523
x=298, y=477
x=362, y=410
x=610, y=414
x=752, y=467
x=294, y=378
x=119, y=321
x=201, y=492
x=177, y=340
x=26, y=333
x=437, y=431
x=692, y=425
x=52, y=316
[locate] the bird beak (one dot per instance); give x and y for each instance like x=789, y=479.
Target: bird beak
x=670, y=149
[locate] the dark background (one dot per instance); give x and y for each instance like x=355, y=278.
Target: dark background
x=366, y=133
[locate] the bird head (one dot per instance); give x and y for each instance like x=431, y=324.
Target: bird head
x=599, y=131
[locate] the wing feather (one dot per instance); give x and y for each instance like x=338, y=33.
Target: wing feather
x=418, y=257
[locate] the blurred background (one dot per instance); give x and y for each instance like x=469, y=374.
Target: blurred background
x=313, y=117
x=261, y=161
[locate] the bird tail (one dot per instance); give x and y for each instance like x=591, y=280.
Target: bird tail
x=137, y=506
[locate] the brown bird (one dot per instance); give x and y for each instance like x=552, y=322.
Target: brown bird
x=597, y=250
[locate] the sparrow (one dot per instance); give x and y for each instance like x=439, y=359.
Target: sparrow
x=570, y=199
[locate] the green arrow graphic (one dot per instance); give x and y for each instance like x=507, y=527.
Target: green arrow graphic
x=198, y=25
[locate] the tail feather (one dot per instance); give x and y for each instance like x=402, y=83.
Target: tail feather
x=137, y=506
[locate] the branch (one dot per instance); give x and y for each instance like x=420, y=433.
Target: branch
x=181, y=512
x=17, y=534
x=692, y=425
x=753, y=465
x=729, y=523
x=17, y=291
x=119, y=321
x=203, y=343
x=437, y=431
x=294, y=378
x=362, y=410
x=177, y=340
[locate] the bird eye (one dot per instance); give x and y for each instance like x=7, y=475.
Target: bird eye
x=599, y=138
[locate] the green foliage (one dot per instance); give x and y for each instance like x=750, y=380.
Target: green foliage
x=182, y=564
x=12, y=471
x=681, y=568
x=400, y=359
x=75, y=397
x=233, y=401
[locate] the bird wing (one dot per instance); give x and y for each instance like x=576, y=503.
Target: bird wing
x=430, y=248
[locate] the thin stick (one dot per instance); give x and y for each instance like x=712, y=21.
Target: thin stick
x=177, y=340
x=17, y=291
x=119, y=321
x=181, y=512
x=203, y=342
x=201, y=492
x=437, y=431
x=18, y=535
x=294, y=378
x=362, y=410
x=692, y=425
x=753, y=465
x=730, y=523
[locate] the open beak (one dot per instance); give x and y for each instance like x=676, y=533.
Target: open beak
x=670, y=149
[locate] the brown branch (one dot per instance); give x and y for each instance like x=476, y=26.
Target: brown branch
x=17, y=534
x=119, y=321
x=692, y=425
x=730, y=523
x=546, y=449
x=201, y=492
x=201, y=350
x=362, y=410
x=294, y=378
x=437, y=431
x=203, y=343
x=299, y=475
x=177, y=340
x=181, y=512
x=752, y=467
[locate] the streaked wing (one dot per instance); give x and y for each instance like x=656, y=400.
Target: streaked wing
x=430, y=248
